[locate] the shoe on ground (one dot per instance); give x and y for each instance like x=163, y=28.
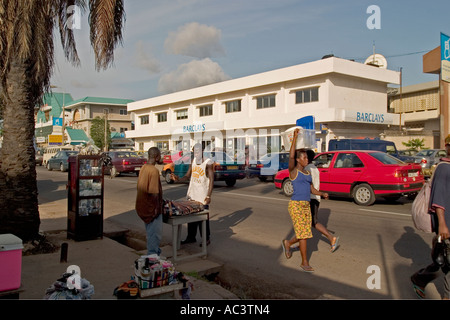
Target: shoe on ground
x=187, y=240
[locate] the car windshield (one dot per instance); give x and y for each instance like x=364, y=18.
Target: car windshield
x=425, y=153
x=385, y=158
x=127, y=155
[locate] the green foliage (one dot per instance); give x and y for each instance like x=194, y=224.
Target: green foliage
x=414, y=144
x=98, y=132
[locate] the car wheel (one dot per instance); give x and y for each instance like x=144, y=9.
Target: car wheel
x=363, y=195
x=230, y=182
x=262, y=179
x=287, y=188
x=167, y=177
x=48, y=167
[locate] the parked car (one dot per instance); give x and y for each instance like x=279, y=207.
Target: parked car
x=362, y=175
x=429, y=157
x=171, y=157
x=269, y=164
x=225, y=168
x=368, y=144
x=60, y=161
x=124, y=162
x=39, y=156
x=409, y=153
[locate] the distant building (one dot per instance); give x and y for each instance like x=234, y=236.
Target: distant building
x=346, y=98
x=78, y=118
x=83, y=111
x=49, y=118
x=418, y=107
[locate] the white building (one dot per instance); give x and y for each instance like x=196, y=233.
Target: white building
x=346, y=98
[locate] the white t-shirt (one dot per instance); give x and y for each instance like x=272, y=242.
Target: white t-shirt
x=199, y=184
x=315, y=174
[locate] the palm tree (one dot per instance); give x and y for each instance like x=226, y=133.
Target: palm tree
x=26, y=66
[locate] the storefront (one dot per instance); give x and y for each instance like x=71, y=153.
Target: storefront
x=346, y=99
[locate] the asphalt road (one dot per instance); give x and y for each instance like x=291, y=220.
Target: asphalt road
x=379, y=246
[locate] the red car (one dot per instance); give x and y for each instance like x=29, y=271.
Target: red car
x=362, y=175
x=125, y=162
x=169, y=158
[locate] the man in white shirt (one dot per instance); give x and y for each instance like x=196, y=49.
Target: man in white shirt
x=201, y=184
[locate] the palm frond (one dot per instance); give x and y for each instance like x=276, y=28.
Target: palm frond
x=106, y=21
x=65, y=12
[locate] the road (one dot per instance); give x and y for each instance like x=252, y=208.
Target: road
x=379, y=246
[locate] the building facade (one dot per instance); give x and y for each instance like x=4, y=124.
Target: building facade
x=346, y=99
x=418, y=107
x=83, y=111
x=49, y=118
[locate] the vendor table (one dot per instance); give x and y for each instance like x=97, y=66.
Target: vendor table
x=177, y=221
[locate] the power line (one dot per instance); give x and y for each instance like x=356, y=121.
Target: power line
x=395, y=55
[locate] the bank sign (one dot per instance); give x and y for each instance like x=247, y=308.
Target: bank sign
x=445, y=57
x=368, y=117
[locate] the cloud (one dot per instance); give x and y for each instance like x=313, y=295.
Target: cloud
x=195, y=40
x=145, y=61
x=191, y=75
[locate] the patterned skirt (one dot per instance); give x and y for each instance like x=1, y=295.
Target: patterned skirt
x=300, y=212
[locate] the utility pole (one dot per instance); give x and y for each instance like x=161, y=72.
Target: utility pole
x=105, y=147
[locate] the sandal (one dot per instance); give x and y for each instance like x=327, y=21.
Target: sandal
x=287, y=252
x=335, y=245
x=306, y=268
x=419, y=291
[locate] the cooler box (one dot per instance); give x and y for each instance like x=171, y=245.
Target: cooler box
x=10, y=262
x=306, y=138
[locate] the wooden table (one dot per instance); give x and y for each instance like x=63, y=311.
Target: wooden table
x=177, y=221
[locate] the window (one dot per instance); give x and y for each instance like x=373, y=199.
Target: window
x=123, y=112
x=265, y=102
x=182, y=114
x=324, y=160
x=233, y=106
x=307, y=95
x=162, y=117
x=206, y=110
x=144, y=119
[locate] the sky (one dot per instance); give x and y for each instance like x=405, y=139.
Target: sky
x=173, y=45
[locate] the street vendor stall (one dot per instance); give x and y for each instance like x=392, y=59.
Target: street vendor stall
x=180, y=212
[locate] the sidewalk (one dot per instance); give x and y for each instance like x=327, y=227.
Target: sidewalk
x=105, y=263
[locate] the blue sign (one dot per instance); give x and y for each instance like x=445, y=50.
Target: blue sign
x=307, y=122
x=445, y=47
x=57, y=122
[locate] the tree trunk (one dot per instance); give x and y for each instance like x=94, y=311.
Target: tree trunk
x=19, y=211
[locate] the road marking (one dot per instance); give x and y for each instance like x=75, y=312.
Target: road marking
x=387, y=212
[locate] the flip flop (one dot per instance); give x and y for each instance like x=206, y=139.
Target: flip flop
x=287, y=252
x=335, y=245
x=308, y=269
x=419, y=291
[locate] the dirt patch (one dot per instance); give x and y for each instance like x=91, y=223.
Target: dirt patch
x=247, y=286
x=40, y=245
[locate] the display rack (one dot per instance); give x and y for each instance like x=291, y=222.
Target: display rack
x=85, y=198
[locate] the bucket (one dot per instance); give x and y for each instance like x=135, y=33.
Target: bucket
x=306, y=138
